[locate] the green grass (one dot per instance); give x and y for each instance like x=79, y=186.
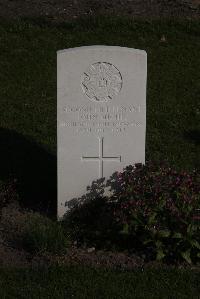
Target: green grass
x=77, y=282
x=28, y=79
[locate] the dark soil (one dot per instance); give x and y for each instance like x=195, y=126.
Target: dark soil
x=63, y=10
x=12, y=254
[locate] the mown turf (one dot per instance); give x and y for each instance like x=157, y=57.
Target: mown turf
x=77, y=282
x=28, y=79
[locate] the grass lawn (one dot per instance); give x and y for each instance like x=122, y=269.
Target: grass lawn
x=28, y=79
x=73, y=282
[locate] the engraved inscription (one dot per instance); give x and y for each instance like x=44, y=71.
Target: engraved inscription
x=101, y=158
x=100, y=119
x=102, y=109
x=102, y=81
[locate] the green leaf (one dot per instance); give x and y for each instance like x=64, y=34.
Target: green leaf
x=153, y=231
x=195, y=244
x=125, y=231
x=164, y=233
x=159, y=244
x=162, y=202
x=160, y=255
x=152, y=218
x=186, y=256
x=147, y=241
x=177, y=236
x=190, y=229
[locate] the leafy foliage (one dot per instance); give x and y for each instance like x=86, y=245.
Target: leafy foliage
x=151, y=210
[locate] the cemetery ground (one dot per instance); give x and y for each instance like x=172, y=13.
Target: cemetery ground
x=58, y=10
x=28, y=154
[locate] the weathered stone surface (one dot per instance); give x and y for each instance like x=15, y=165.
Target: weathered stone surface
x=101, y=115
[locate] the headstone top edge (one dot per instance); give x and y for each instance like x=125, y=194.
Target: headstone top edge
x=102, y=47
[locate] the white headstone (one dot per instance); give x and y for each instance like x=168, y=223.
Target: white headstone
x=101, y=115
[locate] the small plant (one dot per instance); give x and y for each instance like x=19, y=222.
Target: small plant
x=42, y=235
x=152, y=211
x=90, y=221
x=157, y=208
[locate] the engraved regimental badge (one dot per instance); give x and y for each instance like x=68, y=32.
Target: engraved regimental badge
x=102, y=81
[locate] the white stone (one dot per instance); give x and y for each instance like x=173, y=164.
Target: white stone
x=101, y=115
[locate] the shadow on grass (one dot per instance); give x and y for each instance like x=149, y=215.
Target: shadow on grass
x=33, y=167
x=192, y=136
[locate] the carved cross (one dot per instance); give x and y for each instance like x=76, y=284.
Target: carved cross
x=101, y=158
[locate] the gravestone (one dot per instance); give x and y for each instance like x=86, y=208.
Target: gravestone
x=101, y=115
